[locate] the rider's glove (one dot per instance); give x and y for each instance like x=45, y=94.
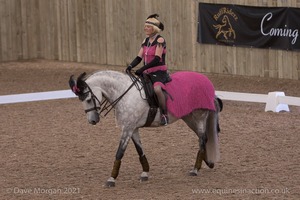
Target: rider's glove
x=129, y=68
x=139, y=72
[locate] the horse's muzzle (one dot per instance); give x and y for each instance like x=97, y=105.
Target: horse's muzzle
x=93, y=118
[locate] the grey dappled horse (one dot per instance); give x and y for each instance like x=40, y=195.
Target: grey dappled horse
x=120, y=92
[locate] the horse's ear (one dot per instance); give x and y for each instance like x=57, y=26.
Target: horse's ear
x=73, y=85
x=81, y=84
x=81, y=76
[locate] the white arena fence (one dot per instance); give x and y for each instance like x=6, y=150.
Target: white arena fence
x=275, y=101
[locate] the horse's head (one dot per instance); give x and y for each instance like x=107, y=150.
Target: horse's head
x=91, y=101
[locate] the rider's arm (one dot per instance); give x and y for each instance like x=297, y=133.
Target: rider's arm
x=136, y=61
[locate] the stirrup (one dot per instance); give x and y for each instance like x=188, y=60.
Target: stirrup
x=164, y=120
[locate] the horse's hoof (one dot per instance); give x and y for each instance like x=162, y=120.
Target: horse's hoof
x=209, y=164
x=110, y=184
x=144, y=176
x=143, y=179
x=193, y=172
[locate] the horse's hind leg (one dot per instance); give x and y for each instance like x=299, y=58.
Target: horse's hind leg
x=143, y=160
x=197, y=122
x=198, y=163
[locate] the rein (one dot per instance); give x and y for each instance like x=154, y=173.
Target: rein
x=110, y=106
x=138, y=83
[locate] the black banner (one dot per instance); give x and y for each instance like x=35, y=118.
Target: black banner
x=261, y=27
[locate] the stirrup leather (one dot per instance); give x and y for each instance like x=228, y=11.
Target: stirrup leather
x=164, y=120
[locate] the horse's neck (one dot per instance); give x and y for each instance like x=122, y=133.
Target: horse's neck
x=112, y=84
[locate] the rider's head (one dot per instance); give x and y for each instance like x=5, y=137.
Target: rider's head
x=153, y=24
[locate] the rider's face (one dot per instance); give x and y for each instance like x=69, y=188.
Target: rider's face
x=149, y=30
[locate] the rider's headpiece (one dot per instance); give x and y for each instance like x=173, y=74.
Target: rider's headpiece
x=153, y=21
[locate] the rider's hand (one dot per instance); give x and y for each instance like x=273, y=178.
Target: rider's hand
x=129, y=68
x=138, y=72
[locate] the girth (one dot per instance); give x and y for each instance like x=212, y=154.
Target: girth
x=151, y=116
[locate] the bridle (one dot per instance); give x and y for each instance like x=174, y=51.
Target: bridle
x=107, y=106
x=94, y=98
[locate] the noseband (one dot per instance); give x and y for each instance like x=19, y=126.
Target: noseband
x=93, y=98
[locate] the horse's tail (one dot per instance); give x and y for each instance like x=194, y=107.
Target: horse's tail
x=212, y=133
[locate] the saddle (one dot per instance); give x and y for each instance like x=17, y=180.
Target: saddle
x=148, y=81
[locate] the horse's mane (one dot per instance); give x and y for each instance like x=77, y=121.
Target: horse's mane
x=108, y=73
x=84, y=76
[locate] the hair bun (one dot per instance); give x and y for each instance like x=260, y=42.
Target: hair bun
x=153, y=16
x=161, y=26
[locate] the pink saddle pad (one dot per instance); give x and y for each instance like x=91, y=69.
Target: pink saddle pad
x=189, y=91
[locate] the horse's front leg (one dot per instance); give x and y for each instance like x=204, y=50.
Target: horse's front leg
x=143, y=160
x=126, y=135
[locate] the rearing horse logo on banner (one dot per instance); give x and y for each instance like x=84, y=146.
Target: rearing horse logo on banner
x=225, y=29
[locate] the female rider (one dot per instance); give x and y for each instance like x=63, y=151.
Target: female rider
x=153, y=52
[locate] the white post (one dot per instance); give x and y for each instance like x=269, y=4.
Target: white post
x=273, y=103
